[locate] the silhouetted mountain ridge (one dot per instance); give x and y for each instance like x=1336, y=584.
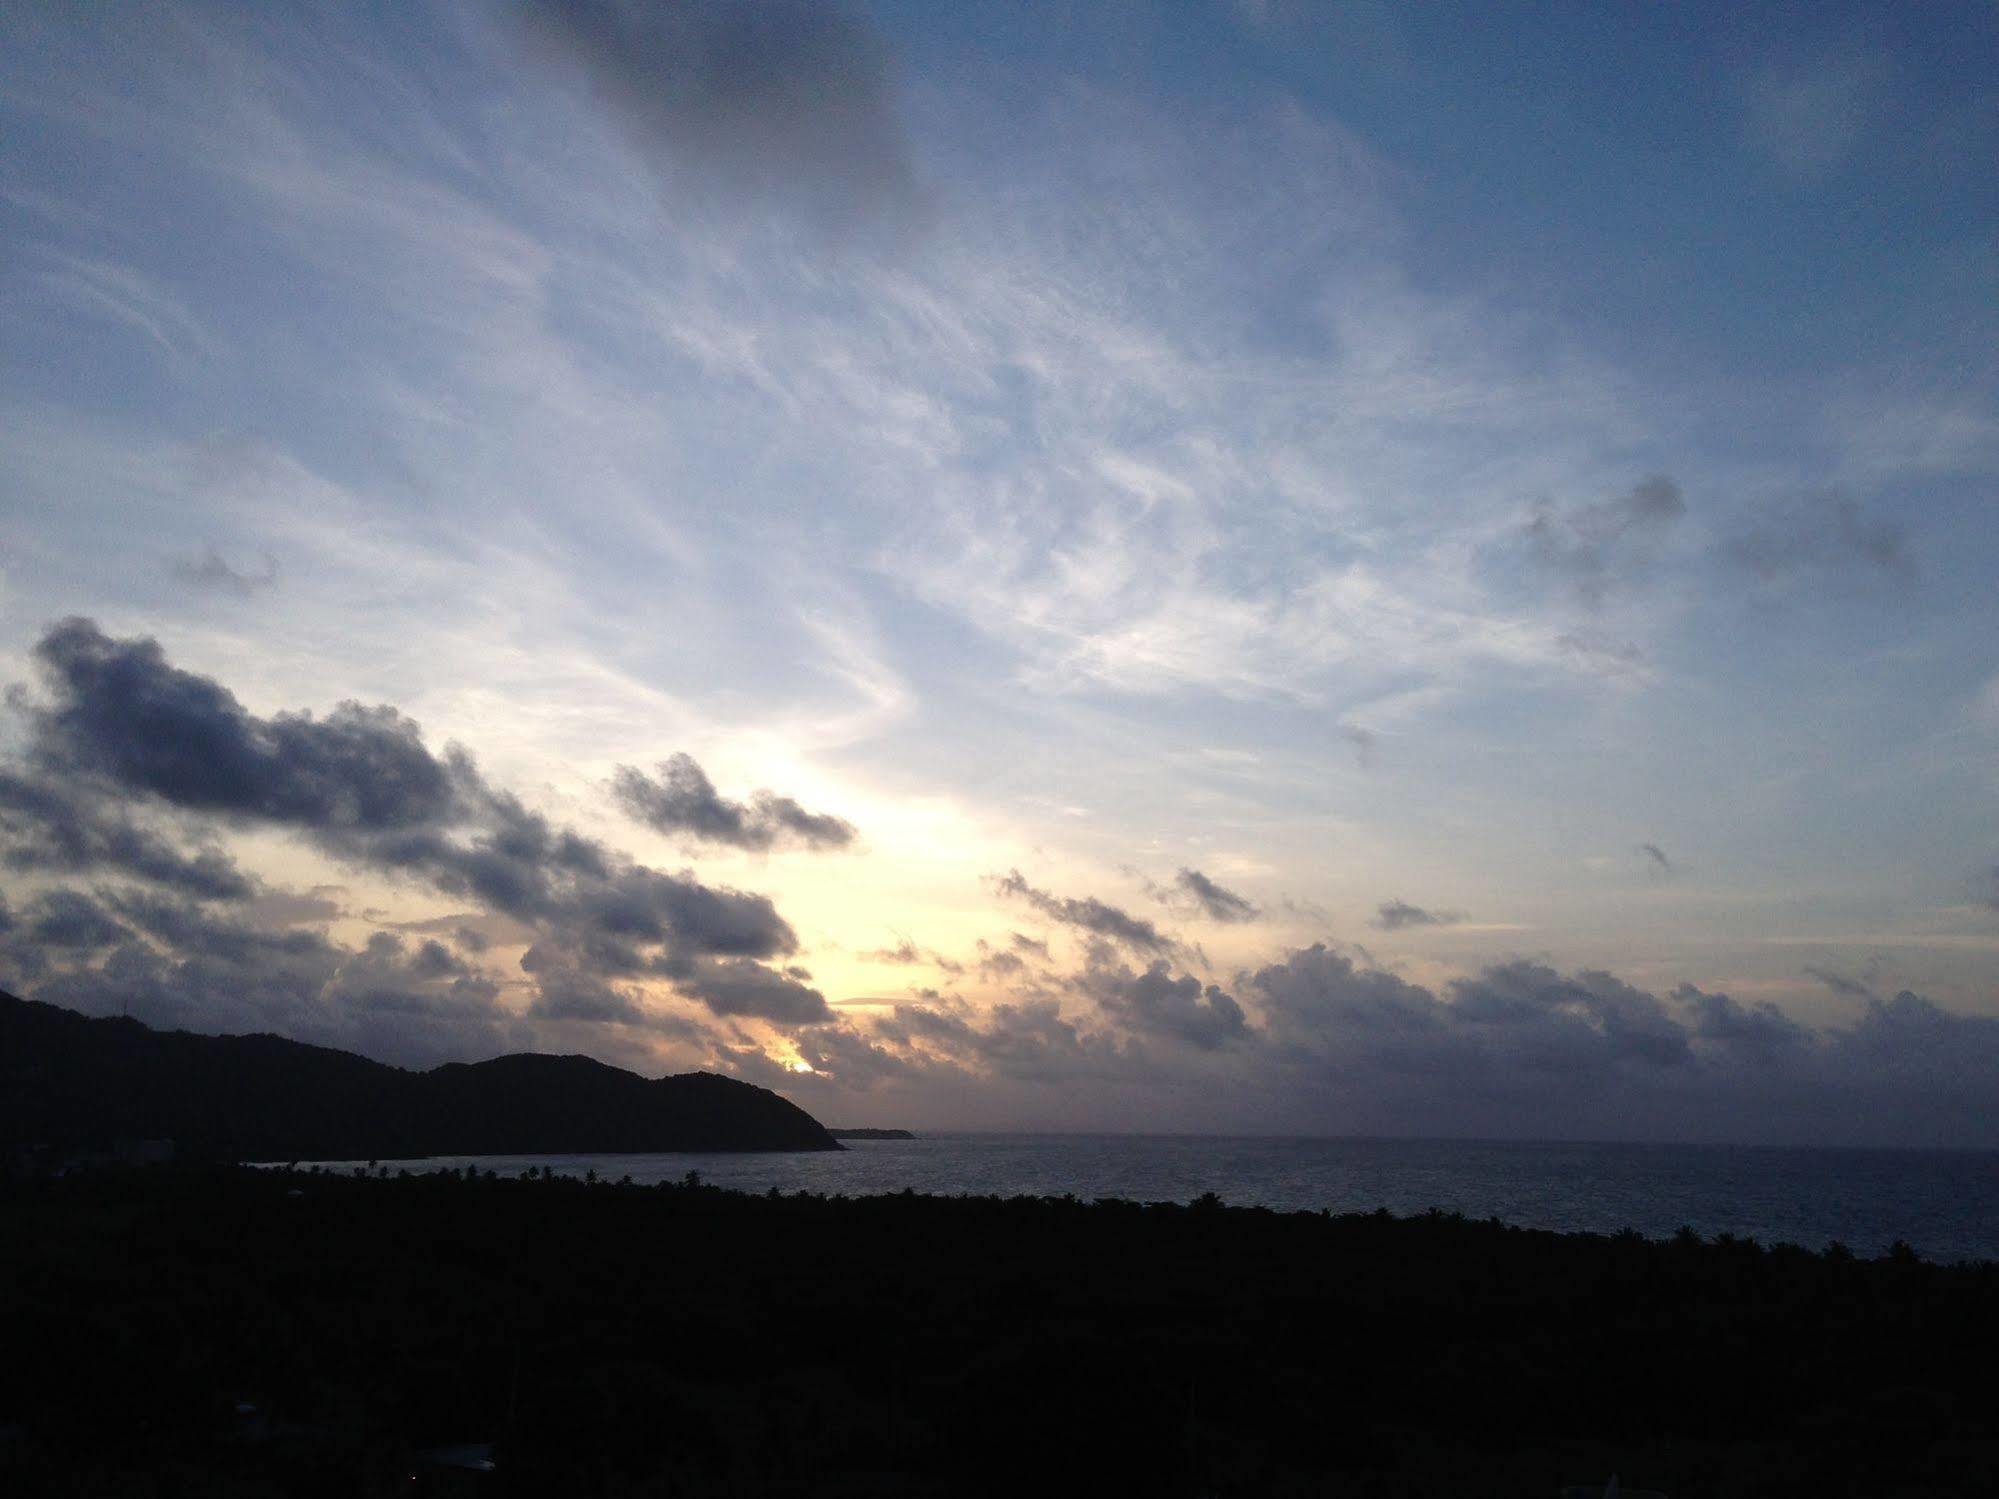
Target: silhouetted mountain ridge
x=69, y=1080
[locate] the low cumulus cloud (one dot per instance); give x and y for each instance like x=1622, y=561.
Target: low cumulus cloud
x=1157, y=1003
x=48, y=827
x=1595, y=549
x=682, y=802
x=1324, y=1041
x=1396, y=915
x=119, y=730
x=785, y=104
x=1087, y=914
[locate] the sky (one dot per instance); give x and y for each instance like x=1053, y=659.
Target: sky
x=1259, y=567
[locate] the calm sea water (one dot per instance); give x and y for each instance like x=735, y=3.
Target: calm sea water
x=1943, y=1203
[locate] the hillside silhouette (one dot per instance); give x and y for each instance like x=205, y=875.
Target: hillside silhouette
x=70, y=1082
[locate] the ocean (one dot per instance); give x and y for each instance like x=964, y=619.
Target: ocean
x=1944, y=1204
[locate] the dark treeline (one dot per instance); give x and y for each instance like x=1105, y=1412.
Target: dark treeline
x=232, y=1332
x=70, y=1082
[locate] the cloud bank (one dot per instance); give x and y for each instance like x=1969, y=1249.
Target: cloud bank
x=134, y=775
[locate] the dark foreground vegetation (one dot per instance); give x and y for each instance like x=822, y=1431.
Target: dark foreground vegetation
x=71, y=1084
x=236, y=1332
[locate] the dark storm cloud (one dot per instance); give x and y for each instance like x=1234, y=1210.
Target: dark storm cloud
x=777, y=103
x=1215, y=901
x=1394, y=915
x=682, y=802
x=212, y=573
x=1827, y=542
x=1656, y=857
x=45, y=827
x=1087, y=914
x=1593, y=548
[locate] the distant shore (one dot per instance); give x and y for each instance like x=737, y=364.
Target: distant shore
x=239, y=1329
x=872, y=1134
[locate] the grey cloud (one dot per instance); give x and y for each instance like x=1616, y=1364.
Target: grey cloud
x=181, y=965
x=785, y=104
x=1523, y=1049
x=1844, y=985
x=1087, y=914
x=1156, y=1003
x=121, y=722
x=1761, y=1029
x=739, y=986
x=683, y=802
x=1825, y=543
x=212, y=572
x=1394, y=915
x=564, y=991
x=44, y=827
x=70, y=919
x=434, y=960
x=906, y=952
x=1595, y=547
x=1029, y=1040
x=118, y=710
x=1217, y=902
x=1329, y=1043
x=176, y=963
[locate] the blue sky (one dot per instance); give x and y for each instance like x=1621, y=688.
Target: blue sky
x=1507, y=497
